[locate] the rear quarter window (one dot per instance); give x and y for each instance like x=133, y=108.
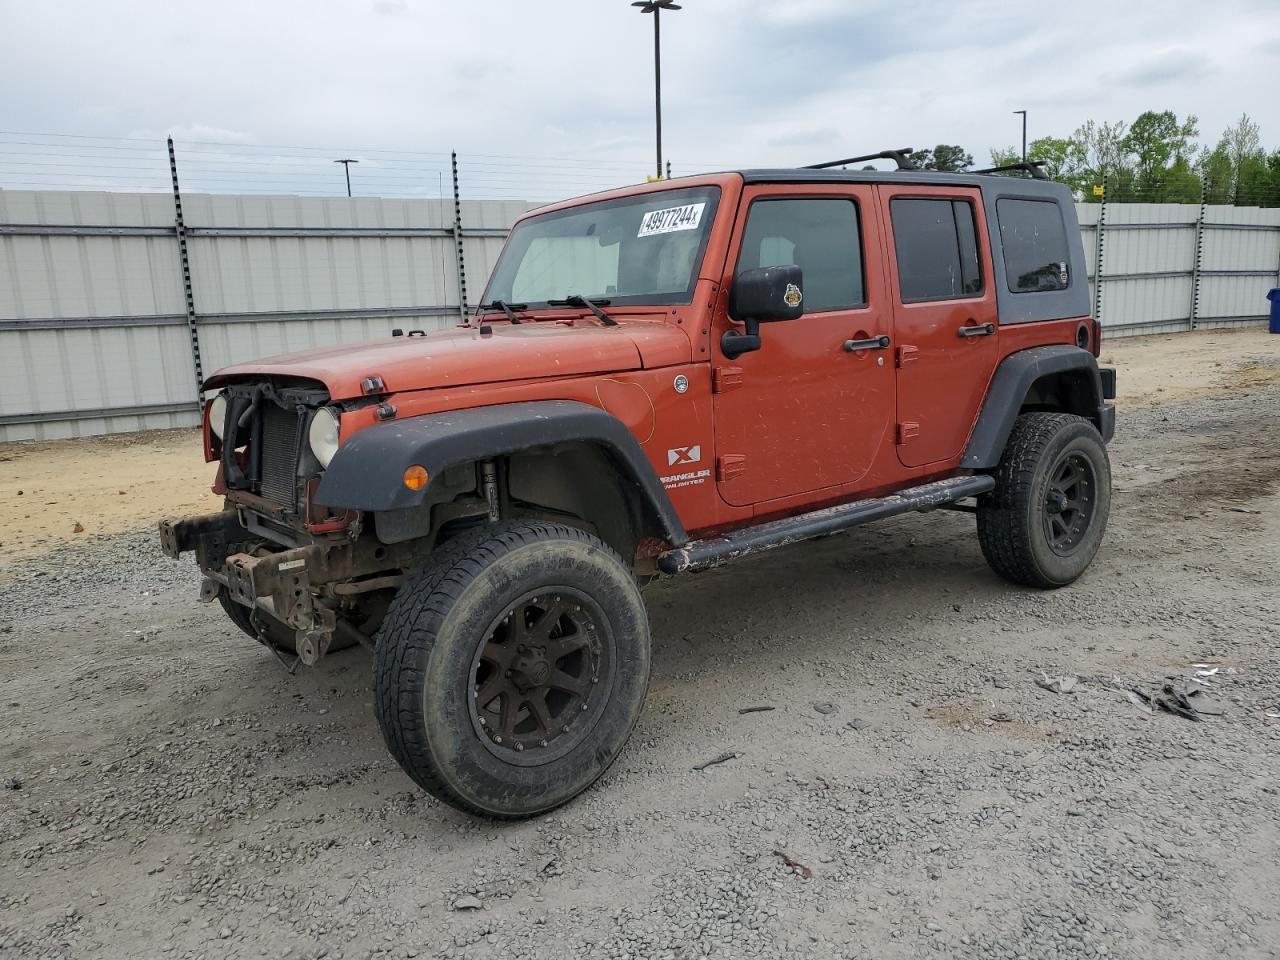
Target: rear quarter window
x=1034, y=243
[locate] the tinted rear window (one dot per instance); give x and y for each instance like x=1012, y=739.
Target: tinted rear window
x=1035, y=245
x=936, y=242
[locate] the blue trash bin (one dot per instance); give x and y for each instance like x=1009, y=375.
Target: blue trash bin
x=1274, y=297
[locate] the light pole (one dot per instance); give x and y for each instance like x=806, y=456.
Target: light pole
x=655, y=7
x=346, y=165
x=1024, y=134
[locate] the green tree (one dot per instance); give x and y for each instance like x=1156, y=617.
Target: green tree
x=1238, y=170
x=1104, y=156
x=1004, y=156
x=1243, y=139
x=1179, y=184
x=1156, y=159
x=1254, y=184
x=945, y=156
x=1059, y=156
x=1218, y=172
x=1158, y=141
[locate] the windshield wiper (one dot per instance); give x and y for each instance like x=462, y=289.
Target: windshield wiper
x=577, y=300
x=508, y=308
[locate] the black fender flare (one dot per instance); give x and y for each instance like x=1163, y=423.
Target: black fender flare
x=1013, y=379
x=367, y=471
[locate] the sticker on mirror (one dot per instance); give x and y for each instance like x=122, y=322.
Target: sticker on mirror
x=671, y=219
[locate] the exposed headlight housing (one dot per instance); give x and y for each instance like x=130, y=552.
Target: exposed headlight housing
x=218, y=415
x=323, y=435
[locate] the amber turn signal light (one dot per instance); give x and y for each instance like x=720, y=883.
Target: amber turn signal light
x=416, y=477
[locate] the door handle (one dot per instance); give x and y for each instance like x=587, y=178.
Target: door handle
x=871, y=343
x=982, y=330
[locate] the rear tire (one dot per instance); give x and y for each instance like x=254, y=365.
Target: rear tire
x=1043, y=523
x=512, y=667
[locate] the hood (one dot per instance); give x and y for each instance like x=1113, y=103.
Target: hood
x=463, y=356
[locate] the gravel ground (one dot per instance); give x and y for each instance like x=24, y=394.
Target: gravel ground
x=168, y=790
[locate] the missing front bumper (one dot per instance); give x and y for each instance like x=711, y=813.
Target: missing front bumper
x=298, y=587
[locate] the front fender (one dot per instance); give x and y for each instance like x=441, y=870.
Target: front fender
x=367, y=471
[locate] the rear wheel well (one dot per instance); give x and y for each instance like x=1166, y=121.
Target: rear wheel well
x=1065, y=391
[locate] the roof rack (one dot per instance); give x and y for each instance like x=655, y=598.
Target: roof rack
x=902, y=157
x=1032, y=167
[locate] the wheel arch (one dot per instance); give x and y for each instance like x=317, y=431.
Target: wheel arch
x=566, y=456
x=1058, y=378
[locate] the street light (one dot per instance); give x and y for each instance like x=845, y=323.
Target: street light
x=346, y=165
x=655, y=7
x=1024, y=134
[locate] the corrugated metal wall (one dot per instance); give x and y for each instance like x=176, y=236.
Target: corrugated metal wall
x=1238, y=264
x=95, y=337
x=94, y=334
x=91, y=320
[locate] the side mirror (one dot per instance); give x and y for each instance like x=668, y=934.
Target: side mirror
x=761, y=295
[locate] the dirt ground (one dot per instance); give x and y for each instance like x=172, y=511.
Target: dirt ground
x=67, y=490
x=167, y=789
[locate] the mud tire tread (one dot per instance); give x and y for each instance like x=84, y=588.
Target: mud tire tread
x=1008, y=520
x=410, y=630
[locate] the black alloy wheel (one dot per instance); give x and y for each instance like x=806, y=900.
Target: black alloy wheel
x=535, y=674
x=1069, y=503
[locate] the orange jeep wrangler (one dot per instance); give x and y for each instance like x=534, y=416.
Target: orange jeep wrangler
x=660, y=379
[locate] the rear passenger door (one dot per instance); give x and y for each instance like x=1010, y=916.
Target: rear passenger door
x=944, y=309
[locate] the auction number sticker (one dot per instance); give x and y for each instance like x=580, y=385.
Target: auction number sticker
x=671, y=219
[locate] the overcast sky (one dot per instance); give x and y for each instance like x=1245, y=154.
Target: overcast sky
x=746, y=82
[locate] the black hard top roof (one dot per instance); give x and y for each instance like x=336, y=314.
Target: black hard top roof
x=922, y=177
x=1014, y=307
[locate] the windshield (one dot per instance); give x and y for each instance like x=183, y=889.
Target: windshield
x=639, y=250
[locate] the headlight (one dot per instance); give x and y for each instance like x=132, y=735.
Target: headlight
x=323, y=435
x=218, y=415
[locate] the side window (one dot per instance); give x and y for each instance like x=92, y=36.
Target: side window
x=937, y=248
x=821, y=236
x=1034, y=244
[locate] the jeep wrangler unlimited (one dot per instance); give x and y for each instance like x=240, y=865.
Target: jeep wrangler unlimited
x=660, y=379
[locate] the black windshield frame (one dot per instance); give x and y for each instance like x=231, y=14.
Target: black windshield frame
x=516, y=248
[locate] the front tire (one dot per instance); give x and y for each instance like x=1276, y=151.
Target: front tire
x=512, y=668
x=1043, y=523
x=276, y=633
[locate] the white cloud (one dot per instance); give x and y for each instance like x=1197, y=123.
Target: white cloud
x=746, y=82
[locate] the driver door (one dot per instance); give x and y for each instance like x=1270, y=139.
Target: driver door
x=802, y=415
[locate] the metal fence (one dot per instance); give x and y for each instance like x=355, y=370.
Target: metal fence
x=1167, y=267
x=114, y=304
